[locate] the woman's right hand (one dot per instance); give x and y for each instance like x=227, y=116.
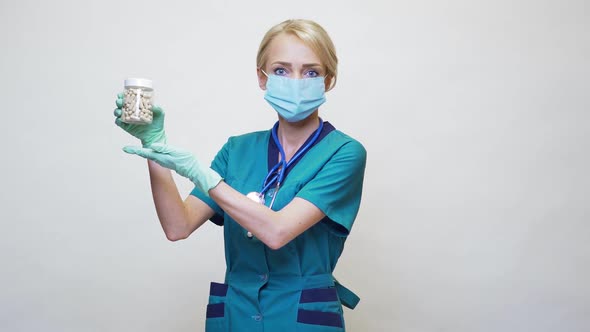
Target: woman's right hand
x=147, y=134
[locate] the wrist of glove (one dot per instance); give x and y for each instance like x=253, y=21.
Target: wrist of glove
x=180, y=161
x=158, y=137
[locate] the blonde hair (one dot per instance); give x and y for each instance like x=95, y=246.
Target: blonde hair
x=312, y=35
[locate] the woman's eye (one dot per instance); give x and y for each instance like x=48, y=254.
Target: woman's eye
x=280, y=72
x=311, y=73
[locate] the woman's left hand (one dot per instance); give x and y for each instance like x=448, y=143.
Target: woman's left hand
x=181, y=161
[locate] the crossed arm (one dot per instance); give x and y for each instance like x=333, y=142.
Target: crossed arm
x=181, y=218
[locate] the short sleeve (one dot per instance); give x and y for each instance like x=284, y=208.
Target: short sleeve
x=219, y=165
x=337, y=188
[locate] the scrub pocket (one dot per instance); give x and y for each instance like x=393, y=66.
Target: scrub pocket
x=216, y=316
x=320, y=310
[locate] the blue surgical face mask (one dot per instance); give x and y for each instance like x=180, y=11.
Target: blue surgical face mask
x=295, y=99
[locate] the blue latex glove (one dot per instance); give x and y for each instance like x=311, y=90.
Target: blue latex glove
x=181, y=161
x=147, y=134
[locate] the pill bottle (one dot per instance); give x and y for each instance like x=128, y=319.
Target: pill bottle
x=137, y=102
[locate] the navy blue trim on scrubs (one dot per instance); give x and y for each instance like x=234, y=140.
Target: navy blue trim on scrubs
x=218, y=289
x=217, y=219
x=273, y=149
x=319, y=318
x=318, y=295
x=215, y=310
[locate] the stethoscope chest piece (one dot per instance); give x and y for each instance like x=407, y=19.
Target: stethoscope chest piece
x=277, y=173
x=256, y=197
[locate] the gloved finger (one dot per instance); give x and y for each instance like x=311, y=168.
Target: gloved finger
x=142, y=152
x=125, y=126
x=161, y=148
x=121, y=124
x=158, y=111
x=118, y=112
x=119, y=102
x=120, y=95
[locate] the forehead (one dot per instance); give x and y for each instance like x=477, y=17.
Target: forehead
x=289, y=48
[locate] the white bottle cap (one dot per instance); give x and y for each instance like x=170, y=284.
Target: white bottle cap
x=138, y=82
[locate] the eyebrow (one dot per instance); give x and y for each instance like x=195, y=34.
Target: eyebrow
x=287, y=64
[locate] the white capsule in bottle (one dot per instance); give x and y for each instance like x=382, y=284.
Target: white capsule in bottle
x=137, y=105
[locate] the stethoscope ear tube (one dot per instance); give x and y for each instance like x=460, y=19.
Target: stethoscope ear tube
x=279, y=170
x=274, y=195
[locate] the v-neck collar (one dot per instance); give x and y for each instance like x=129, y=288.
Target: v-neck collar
x=273, y=149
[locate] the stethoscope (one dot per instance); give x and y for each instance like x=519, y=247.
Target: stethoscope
x=276, y=175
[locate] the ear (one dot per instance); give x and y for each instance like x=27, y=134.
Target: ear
x=328, y=82
x=261, y=79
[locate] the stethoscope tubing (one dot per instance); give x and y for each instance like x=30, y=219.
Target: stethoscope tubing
x=281, y=167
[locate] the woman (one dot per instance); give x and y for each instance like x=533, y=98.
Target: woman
x=279, y=259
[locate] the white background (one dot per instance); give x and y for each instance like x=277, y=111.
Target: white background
x=475, y=116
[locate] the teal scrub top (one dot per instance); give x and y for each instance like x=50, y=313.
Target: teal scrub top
x=292, y=288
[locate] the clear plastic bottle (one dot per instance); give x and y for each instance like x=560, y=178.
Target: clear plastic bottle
x=138, y=101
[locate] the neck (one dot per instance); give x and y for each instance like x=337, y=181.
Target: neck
x=293, y=135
